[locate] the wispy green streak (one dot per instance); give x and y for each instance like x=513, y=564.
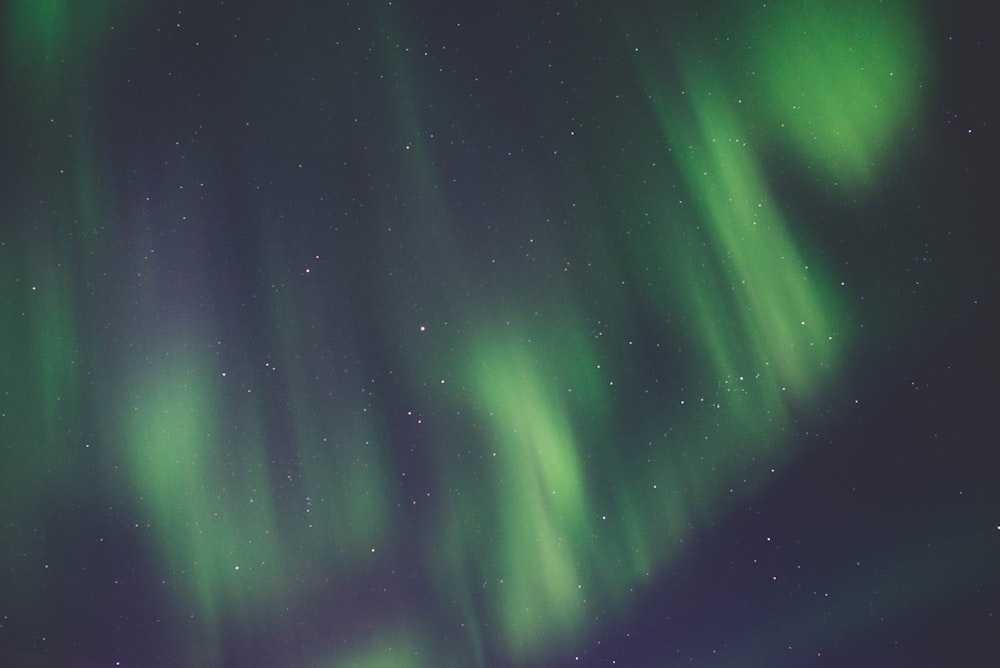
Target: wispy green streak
x=208, y=501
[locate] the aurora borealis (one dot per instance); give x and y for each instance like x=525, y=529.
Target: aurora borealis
x=441, y=334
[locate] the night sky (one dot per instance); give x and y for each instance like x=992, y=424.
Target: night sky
x=418, y=334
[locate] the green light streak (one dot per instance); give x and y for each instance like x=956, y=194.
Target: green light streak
x=54, y=344
x=760, y=307
x=787, y=313
x=515, y=546
x=542, y=486
x=56, y=194
x=42, y=446
x=209, y=506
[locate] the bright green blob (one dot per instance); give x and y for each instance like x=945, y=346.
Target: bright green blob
x=37, y=28
x=49, y=41
x=842, y=81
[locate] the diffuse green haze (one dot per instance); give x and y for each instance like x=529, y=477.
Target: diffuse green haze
x=42, y=447
x=257, y=478
x=770, y=333
x=538, y=506
x=511, y=546
x=51, y=213
x=762, y=307
x=36, y=31
x=547, y=515
x=344, y=498
x=842, y=83
x=209, y=505
x=52, y=42
x=393, y=649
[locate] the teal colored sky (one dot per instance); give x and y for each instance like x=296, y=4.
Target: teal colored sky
x=550, y=334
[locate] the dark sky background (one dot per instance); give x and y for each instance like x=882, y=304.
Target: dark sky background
x=497, y=334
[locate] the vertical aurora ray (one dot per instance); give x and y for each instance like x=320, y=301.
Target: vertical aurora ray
x=210, y=513
x=52, y=208
x=48, y=61
x=42, y=445
x=541, y=490
x=520, y=523
x=752, y=274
